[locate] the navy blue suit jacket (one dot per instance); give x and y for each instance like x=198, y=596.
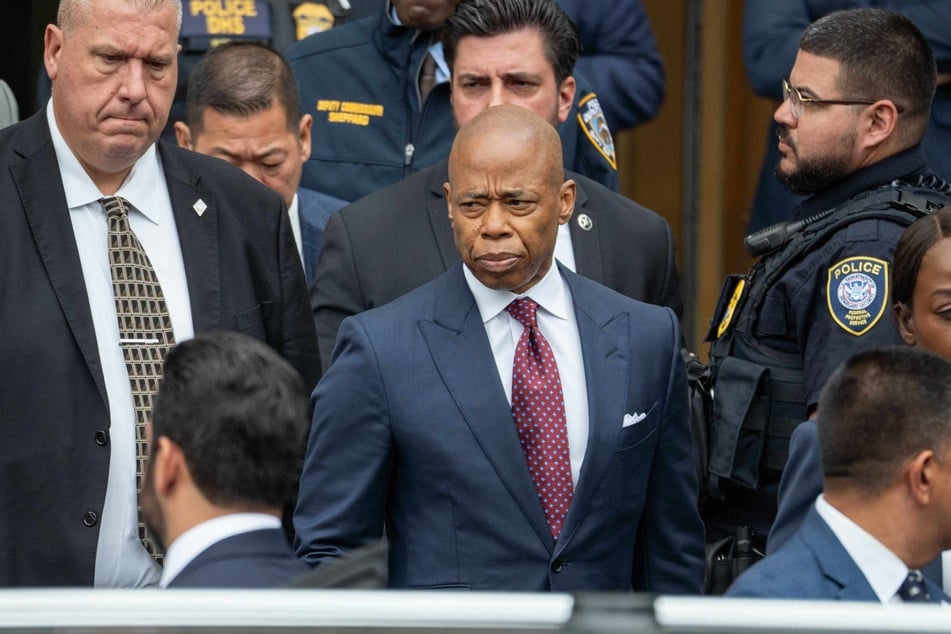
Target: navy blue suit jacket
x=412, y=429
x=256, y=559
x=813, y=564
x=314, y=210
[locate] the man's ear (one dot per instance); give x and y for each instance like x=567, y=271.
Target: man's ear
x=303, y=135
x=906, y=323
x=183, y=135
x=52, y=45
x=169, y=470
x=566, y=97
x=921, y=473
x=447, y=193
x=566, y=196
x=878, y=123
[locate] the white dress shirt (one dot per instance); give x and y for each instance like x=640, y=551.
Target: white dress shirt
x=198, y=539
x=121, y=561
x=293, y=213
x=557, y=323
x=883, y=569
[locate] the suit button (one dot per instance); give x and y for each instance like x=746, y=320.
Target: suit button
x=102, y=438
x=90, y=519
x=556, y=566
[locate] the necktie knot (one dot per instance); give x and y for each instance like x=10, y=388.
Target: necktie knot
x=524, y=310
x=913, y=588
x=115, y=206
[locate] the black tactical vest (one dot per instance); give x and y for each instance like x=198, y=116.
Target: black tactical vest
x=758, y=395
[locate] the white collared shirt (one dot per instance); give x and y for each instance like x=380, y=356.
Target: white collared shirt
x=882, y=568
x=558, y=324
x=198, y=539
x=293, y=212
x=121, y=561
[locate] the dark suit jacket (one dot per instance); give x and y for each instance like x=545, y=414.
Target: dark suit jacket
x=412, y=427
x=397, y=239
x=314, y=210
x=257, y=559
x=813, y=564
x=243, y=274
x=799, y=487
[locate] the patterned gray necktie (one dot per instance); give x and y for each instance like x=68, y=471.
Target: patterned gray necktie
x=145, y=332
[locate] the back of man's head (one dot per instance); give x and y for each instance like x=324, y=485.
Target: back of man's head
x=488, y=18
x=882, y=55
x=238, y=412
x=880, y=409
x=241, y=79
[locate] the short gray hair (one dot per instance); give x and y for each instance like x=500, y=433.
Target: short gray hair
x=71, y=12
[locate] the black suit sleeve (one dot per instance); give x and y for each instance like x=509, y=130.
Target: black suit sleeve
x=296, y=343
x=670, y=290
x=336, y=293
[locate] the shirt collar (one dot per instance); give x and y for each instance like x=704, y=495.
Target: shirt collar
x=903, y=165
x=551, y=293
x=882, y=568
x=199, y=538
x=80, y=188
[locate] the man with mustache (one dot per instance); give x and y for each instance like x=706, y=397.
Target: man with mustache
x=856, y=107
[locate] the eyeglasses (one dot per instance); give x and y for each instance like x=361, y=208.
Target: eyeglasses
x=797, y=101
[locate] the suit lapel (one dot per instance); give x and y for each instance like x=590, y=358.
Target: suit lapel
x=834, y=561
x=460, y=350
x=44, y=203
x=604, y=346
x=198, y=237
x=586, y=243
x=438, y=215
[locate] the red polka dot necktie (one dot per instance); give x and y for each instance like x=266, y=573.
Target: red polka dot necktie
x=538, y=407
x=145, y=332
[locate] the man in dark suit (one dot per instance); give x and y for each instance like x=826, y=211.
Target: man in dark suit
x=392, y=241
x=886, y=507
x=228, y=429
x=244, y=107
x=220, y=250
x=502, y=464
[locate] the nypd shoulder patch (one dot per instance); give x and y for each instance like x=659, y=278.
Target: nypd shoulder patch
x=857, y=293
x=595, y=127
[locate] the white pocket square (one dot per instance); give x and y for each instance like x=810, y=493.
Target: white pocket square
x=632, y=419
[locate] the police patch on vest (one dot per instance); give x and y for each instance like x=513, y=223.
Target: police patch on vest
x=595, y=127
x=310, y=18
x=206, y=23
x=857, y=293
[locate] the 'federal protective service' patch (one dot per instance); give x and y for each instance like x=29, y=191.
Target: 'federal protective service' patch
x=857, y=293
x=595, y=127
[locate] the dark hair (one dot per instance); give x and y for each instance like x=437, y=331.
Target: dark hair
x=241, y=78
x=488, y=18
x=880, y=408
x=914, y=243
x=239, y=413
x=882, y=55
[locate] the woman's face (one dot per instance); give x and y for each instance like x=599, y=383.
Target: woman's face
x=927, y=322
